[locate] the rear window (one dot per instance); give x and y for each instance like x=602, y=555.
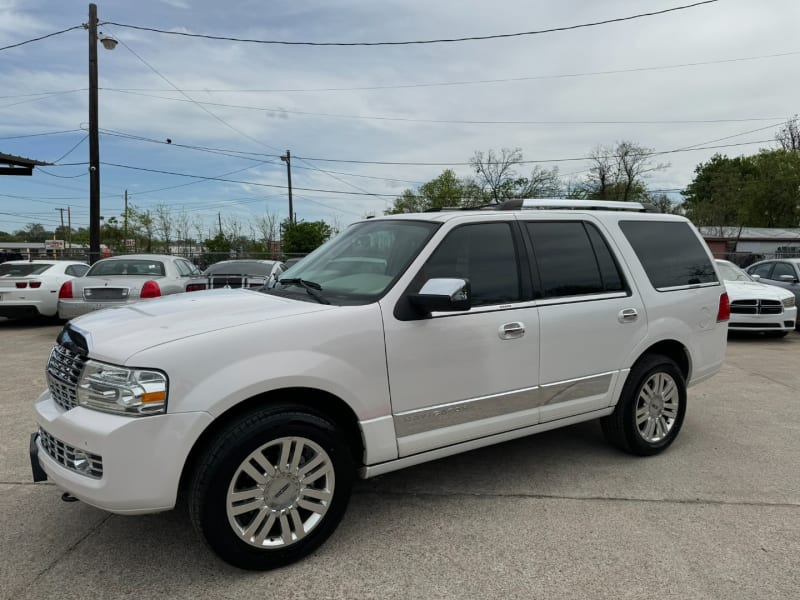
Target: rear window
x=671, y=253
x=23, y=270
x=105, y=268
x=241, y=268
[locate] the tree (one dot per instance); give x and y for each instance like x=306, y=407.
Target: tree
x=445, y=190
x=304, y=236
x=164, y=225
x=618, y=173
x=33, y=232
x=267, y=227
x=762, y=190
x=789, y=135
x=662, y=203
x=496, y=174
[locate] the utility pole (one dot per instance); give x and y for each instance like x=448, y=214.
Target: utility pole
x=61, y=210
x=219, y=216
x=69, y=231
x=126, y=221
x=288, y=160
x=94, y=142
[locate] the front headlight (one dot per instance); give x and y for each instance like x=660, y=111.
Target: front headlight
x=788, y=302
x=120, y=390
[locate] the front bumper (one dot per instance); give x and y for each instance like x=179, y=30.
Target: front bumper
x=142, y=458
x=785, y=321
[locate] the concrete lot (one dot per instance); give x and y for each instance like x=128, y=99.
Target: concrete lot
x=559, y=515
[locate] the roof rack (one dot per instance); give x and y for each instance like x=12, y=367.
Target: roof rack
x=545, y=203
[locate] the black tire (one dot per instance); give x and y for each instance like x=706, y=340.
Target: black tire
x=220, y=469
x=620, y=428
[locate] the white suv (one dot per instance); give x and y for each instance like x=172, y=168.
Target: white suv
x=404, y=339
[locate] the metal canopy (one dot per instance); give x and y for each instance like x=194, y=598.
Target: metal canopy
x=18, y=165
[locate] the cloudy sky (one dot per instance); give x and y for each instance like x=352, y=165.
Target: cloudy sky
x=241, y=105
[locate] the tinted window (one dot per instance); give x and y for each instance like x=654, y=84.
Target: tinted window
x=762, y=270
x=76, y=270
x=670, y=252
x=782, y=269
x=484, y=254
x=126, y=267
x=572, y=259
x=185, y=268
x=23, y=270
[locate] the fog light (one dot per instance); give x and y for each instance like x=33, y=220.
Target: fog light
x=81, y=462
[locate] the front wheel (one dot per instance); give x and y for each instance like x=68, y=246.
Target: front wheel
x=651, y=408
x=271, y=488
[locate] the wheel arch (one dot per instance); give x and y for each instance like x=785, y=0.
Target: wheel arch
x=315, y=401
x=674, y=350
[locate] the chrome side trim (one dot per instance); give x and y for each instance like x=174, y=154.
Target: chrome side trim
x=464, y=411
x=575, y=389
x=422, y=420
x=423, y=457
x=582, y=298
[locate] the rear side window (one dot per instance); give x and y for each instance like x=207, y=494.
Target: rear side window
x=670, y=252
x=782, y=269
x=573, y=259
x=76, y=270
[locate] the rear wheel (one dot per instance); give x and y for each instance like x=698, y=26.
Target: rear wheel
x=271, y=488
x=651, y=408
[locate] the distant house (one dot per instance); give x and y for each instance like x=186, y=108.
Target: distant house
x=748, y=244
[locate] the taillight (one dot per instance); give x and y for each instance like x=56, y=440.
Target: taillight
x=66, y=290
x=36, y=284
x=195, y=287
x=22, y=284
x=724, y=312
x=150, y=289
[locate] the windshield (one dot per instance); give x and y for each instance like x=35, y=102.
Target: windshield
x=147, y=268
x=23, y=270
x=730, y=272
x=359, y=265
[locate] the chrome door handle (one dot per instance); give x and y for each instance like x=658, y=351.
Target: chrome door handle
x=627, y=315
x=510, y=331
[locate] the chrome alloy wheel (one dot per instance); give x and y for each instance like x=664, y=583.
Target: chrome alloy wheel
x=280, y=492
x=657, y=407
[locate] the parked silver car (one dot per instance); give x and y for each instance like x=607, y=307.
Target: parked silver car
x=121, y=280
x=240, y=273
x=783, y=272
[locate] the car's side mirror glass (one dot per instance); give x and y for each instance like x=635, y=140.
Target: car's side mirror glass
x=442, y=294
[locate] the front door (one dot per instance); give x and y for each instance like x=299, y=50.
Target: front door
x=459, y=376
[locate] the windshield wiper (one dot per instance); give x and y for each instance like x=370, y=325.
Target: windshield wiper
x=312, y=287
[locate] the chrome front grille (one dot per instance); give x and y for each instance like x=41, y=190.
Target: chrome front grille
x=63, y=372
x=756, y=307
x=85, y=463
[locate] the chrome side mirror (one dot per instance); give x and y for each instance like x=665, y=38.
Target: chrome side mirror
x=442, y=294
x=755, y=277
x=788, y=278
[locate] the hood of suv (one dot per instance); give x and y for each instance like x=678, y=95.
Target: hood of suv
x=114, y=334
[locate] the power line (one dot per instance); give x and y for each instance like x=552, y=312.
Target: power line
x=41, y=97
x=474, y=81
x=43, y=37
x=30, y=135
x=415, y=42
x=71, y=150
x=455, y=121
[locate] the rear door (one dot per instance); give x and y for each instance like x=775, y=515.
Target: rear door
x=590, y=317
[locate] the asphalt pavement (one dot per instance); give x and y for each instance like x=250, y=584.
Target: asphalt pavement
x=558, y=515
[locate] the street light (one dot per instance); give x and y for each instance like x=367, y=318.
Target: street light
x=109, y=43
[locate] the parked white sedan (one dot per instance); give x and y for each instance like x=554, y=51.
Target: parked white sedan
x=121, y=280
x=29, y=288
x=757, y=306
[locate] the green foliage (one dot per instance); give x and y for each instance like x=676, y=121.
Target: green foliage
x=304, y=236
x=762, y=190
x=445, y=190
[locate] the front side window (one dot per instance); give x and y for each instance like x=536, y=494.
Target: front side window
x=762, y=270
x=573, y=259
x=782, y=269
x=484, y=254
x=359, y=265
x=670, y=252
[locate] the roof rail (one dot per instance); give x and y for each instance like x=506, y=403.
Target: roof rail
x=545, y=203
